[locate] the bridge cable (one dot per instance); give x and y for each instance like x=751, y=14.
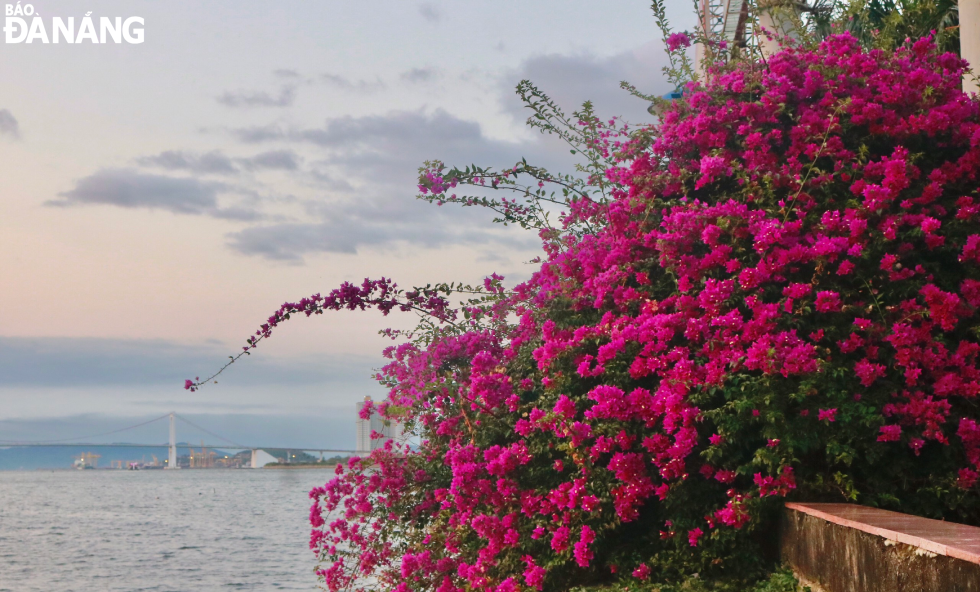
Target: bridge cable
x=82, y=437
x=210, y=433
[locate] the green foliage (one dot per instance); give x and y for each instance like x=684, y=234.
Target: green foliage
x=687, y=356
x=560, y=206
x=887, y=24
x=680, y=69
x=780, y=580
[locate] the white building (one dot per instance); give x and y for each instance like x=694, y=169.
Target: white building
x=392, y=431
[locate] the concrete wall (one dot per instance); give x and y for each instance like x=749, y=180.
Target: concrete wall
x=834, y=558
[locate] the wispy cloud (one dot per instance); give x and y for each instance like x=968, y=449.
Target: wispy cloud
x=217, y=163
x=377, y=157
x=82, y=362
x=388, y=148
x=351, y=229
x=249, y=424
x=46, y=380
x=418, y=75
x=364, y=168
x=259, y=133
x=213, y=162
x=259, y=98
x=430, y=12
x=343, y=82
x=573, y=79
x=285, y=160
x=8, y=125
x=128, y=188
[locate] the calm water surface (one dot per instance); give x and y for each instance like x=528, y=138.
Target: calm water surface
x=167, y=531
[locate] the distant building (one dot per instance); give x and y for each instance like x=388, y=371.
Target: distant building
x=203, y=459
x=393, y=431
x=87, y=460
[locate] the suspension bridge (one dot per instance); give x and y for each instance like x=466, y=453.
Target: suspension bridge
x=172, y=445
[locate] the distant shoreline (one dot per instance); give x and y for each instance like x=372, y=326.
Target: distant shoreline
x=299, y=466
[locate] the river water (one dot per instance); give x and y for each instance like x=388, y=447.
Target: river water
x=166, y=531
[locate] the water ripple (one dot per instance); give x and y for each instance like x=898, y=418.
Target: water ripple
x=160, y=531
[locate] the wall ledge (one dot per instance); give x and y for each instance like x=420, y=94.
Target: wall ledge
x=934, y=536
x=851, y=548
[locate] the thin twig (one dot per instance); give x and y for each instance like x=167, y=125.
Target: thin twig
x=813, y=163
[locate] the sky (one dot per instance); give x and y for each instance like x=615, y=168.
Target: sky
x=159, y=200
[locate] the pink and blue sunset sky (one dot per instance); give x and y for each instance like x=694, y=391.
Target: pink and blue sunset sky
x=159, y=200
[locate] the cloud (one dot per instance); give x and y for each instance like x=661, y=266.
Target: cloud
x=430, y=12
x=365, y=167
x=315, y=428
x=285, y=160
x=213, y=162
x=261, y=133
x=375, y=141
x=217, y=163
x=8, y=125
x=418, y=75
x=572, y=79
x=45, y=380
x=285, y=73
x=84, y=362
x=324, y=179
x=127, y=188
x=261, y=98
x=389, y=148
x=351, y=229
x=130, y=189
x=376, y=157
x=365, y=86
x=237, y=214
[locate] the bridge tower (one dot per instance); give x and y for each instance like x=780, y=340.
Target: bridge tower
x=172, y=459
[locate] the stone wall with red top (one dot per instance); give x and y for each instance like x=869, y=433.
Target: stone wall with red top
x=851, y=548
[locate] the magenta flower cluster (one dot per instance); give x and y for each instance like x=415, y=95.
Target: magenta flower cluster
x=780, y=300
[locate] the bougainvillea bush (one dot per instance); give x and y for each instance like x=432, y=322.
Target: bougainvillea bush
x=777, y=298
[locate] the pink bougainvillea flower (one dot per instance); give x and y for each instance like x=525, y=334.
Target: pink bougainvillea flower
x=642, y=572
x=677, y=41
x=774, y=243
